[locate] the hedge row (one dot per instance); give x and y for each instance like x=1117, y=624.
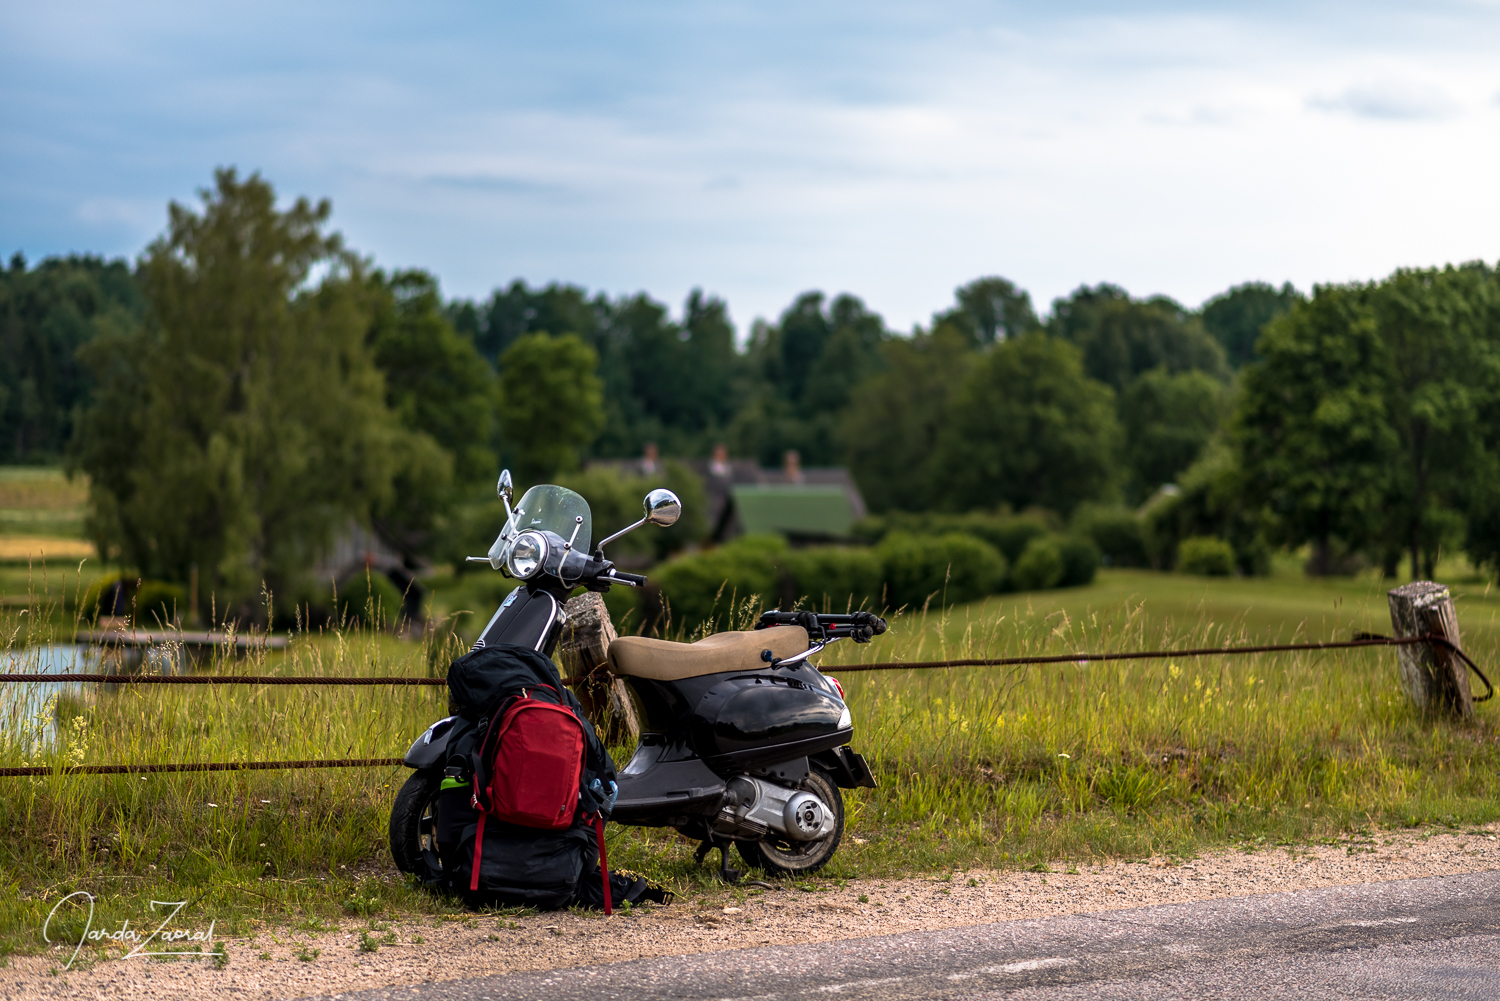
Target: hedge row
x=729, y=585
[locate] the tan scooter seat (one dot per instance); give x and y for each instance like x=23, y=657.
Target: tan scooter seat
x=663, y=660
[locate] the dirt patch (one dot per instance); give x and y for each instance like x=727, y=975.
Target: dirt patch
x=280, y=963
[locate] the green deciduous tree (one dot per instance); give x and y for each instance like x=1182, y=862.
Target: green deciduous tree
x=435, y=380
x=1236, y=318
x=806, y=368
x=246, y=423
x=1312, y=425
x=1440, y=330
x=896, y=417
x=551, y=404
x=990, y=309
x=1028, y=427
x=1121, y=337
x=46, y=314
x=1168, y=419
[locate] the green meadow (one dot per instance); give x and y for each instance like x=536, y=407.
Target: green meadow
x=1025, y=766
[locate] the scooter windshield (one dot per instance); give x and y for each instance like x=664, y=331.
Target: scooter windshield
x=555, y=509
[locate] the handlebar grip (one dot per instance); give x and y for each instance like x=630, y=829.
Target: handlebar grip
x=635, y=579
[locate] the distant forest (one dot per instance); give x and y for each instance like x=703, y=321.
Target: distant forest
x=1361, y=419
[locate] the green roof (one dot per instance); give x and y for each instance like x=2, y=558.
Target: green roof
x=793, y=510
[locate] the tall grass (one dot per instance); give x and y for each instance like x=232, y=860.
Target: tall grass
x=977, y=766
x=1108, y=758
x=245, y=843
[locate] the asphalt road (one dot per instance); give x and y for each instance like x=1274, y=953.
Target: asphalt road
x=1419, y=938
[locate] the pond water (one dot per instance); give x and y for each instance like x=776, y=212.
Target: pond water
x=24, y=715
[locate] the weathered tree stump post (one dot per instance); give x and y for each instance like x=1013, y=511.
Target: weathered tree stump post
x=1436, y=680
x=585, y=642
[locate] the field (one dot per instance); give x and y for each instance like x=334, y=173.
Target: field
x=1037, y=766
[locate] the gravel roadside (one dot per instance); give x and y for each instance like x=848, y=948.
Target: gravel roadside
x=267, y=965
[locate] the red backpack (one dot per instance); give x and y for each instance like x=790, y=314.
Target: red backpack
x=535, y=758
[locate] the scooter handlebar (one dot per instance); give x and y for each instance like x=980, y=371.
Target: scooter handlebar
x=628, y=579
x=860, y=626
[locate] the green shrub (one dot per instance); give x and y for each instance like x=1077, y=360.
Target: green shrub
x=1080, y=560
x=1207, y=555
x=951, y=568
x=1117, y=532
x=836, y=578
x=1009, y=533
x=1040, y=566
x=159, y=604
x=369, y=599
x=698, y=588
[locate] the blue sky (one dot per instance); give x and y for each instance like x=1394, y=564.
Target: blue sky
x=760, y=149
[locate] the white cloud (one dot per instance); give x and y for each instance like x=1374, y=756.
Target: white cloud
x=1390, y=101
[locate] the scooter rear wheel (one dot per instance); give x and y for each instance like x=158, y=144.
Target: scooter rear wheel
x=412, y=830
x=784, y=857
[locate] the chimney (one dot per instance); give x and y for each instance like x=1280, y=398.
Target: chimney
x=649, y=462
x=791, y=466
x=719, y=464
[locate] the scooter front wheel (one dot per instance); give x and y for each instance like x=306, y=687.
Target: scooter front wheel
x=412, y=830
x=784, y=857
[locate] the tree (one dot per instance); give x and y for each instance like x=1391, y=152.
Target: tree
x=1236, y=318
x=518, y=310
x=1168, y=419
x=46, y=314
x=246, y=422
x=551, y=403
x=439, y=386
x=1312, y=428
x=1027, y=427
x=990, y=309
x=806, y=368
x=1439, y=332
x=896, y=417
x=1122, y=337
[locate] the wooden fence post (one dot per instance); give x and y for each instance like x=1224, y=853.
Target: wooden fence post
x=586, y=637
x=1436, y=680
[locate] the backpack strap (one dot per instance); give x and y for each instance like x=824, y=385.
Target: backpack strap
x=479, y=850
x=603, y=862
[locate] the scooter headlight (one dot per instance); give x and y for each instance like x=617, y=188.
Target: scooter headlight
x=526, y=555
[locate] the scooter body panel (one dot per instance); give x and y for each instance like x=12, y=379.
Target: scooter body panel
x=661, y=791
x=755, y=716
x=529, y=616
x=431, y=749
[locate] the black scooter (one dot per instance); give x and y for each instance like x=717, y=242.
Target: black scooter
x=743, y=742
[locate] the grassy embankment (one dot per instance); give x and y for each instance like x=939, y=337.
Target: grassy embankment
x=1028, y=766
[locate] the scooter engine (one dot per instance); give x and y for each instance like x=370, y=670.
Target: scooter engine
x=753, y=806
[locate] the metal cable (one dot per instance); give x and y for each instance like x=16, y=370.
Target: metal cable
x=211, y=766
x=1363, y=640
x=216, y=679
x=1082, y=658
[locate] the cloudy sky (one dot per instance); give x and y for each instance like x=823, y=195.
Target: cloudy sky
x=760, y=149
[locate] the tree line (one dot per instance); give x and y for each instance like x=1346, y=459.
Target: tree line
x=250, y=384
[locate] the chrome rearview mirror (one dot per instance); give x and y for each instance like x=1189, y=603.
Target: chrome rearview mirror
x=505, y=488
x=663, y=508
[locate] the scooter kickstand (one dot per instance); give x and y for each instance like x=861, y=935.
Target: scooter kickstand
x=727, y=874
